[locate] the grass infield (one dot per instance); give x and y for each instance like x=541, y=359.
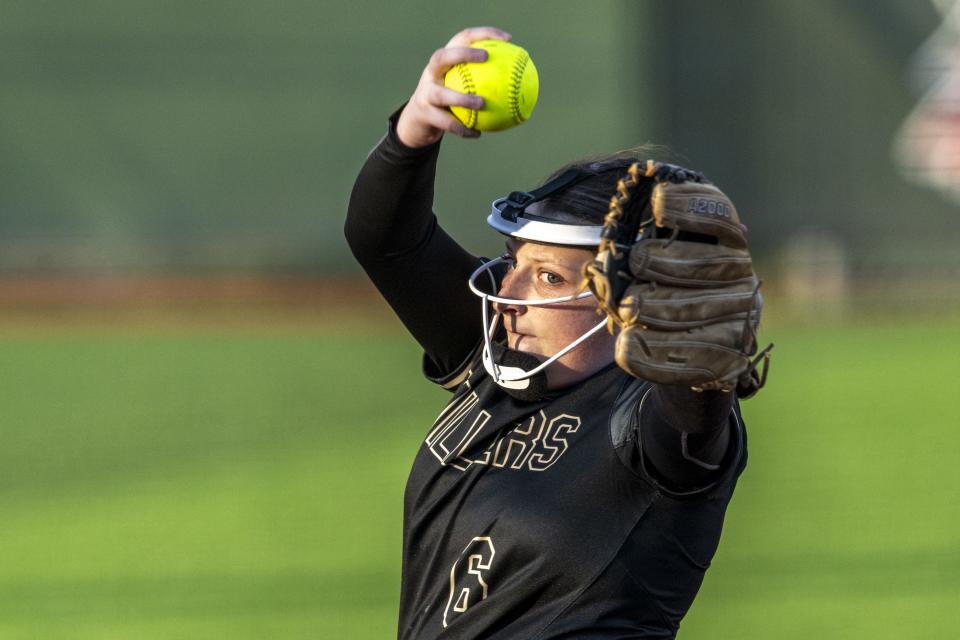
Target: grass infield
x=189, y=483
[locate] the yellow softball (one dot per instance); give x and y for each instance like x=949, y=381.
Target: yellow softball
x=507, y=82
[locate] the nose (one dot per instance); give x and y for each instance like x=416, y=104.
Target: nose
x=510, y=287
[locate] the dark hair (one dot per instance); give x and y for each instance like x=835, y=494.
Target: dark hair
x=589, y=200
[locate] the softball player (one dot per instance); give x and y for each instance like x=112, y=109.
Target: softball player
x=555, y=496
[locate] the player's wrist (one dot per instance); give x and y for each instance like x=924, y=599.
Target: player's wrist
x=413, y=134
x=394, y=146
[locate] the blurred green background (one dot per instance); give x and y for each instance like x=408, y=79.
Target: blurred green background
x=209, y=417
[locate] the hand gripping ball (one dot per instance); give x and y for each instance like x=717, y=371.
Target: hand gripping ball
x=507, y=82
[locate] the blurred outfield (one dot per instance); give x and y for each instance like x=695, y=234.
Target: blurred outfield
x=244, y=479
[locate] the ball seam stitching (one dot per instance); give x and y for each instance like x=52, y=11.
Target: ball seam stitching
x=513, y=102
x=467, y=79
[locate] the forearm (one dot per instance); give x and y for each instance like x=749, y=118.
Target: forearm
x=685, y=434
x=390, y=211
x=420, y=271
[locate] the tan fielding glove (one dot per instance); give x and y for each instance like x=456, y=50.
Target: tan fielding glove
x=683, y=295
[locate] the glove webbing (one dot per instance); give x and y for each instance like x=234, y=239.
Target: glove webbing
x=620, y=227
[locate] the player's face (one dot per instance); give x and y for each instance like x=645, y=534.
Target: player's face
x=549, y=271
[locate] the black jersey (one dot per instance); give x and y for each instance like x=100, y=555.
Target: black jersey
x=542, y=520
x=591, y=514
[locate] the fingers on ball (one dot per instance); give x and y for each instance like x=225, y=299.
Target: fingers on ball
x=446, y=121
x=445, y=59
x=472, y=34
x=444, y=97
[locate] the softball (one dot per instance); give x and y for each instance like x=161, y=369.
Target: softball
x=507, y=82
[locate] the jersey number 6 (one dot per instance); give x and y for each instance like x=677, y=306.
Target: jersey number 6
x=467, y=583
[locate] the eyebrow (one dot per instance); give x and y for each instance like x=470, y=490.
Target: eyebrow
x=550, y=259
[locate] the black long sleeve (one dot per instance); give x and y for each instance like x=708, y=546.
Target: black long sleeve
x=685, y=434
x=420, y=271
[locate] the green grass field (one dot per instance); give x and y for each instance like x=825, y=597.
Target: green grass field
x=195, y=484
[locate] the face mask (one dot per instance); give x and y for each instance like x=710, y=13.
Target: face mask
x=522, y=375
x=510, y=361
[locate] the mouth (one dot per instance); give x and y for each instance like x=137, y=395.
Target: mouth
x=516, y=341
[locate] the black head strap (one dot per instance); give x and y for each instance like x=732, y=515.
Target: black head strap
x=517, y=201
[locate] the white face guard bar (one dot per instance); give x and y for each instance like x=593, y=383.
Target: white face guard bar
x=515, y=377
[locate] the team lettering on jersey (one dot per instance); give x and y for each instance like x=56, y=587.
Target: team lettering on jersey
x=534, y=444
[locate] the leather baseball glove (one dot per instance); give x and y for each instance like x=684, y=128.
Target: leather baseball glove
x=675, y=278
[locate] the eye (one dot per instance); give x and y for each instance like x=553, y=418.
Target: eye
x=550, y=278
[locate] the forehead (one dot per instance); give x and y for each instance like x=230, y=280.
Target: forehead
x=573, y=257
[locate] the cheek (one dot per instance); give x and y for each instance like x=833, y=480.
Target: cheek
x=562, y=326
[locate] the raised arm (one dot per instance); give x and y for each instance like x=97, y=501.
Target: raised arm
x=391, y=229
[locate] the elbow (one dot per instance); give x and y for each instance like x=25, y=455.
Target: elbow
x=358, y=241
x=350, y=235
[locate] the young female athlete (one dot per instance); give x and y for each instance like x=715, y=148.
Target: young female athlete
x=555, y=496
